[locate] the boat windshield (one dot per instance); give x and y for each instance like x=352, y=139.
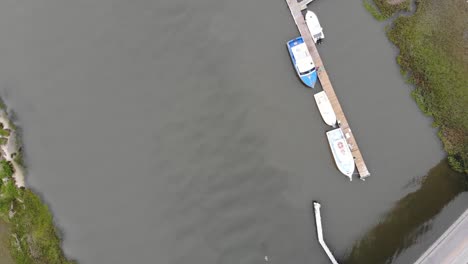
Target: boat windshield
x=317, y=36
x=307, y=72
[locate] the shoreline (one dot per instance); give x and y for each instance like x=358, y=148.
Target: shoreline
x=31, y=234
x=430, y=76
x=11, y=149
x=431, y=58
x=407, y=221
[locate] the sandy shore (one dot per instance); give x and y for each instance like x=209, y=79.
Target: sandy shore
x=10, y=148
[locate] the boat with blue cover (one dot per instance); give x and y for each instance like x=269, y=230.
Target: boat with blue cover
x=302, y=61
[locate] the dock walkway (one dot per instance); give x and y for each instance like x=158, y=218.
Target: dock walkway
x=318, y=224
x=296, y=11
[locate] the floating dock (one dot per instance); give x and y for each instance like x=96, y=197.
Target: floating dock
x=296, y=11
x=318, y=224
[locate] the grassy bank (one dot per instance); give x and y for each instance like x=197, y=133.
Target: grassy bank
x=389, y=7
x=381, y=9
x=373, y=10
x=5, y=256
x=431, y=44
x=34, y=238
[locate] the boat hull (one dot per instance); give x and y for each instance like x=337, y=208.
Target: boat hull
x=314, y=26
x=325, y=108
x=309, y=78
x=343, y=158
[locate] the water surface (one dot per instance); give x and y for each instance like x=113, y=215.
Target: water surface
x=177, y=131
x=416, y=220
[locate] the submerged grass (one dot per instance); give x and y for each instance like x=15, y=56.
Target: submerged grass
x=372, y=9
x=410, y=217
x=34, y=238
x=432, y=45
x=389, y=7
x=381, y=9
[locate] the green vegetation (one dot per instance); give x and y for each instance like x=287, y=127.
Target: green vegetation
x=4, y=132
x=389, y=7
x=381, y=9
x=372, y=9
x=431, y=44
x=34, y=238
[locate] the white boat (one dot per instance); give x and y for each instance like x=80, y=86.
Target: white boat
x=314, y=26
x=343, y=158
x=302, y=61
x=325, y=108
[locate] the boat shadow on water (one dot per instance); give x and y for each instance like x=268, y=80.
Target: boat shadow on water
x=409, y=218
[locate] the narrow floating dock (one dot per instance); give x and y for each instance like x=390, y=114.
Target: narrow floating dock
x=318, y=224
x=296, y=11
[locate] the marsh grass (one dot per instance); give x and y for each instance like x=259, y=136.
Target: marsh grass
x=432, y=58
x=431, y=47
x=34, y=238
x=4, y=132
x=372, y=9
x=382, y=10
x=389, y=10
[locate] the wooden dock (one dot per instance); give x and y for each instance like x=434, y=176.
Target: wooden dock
x=296, y=11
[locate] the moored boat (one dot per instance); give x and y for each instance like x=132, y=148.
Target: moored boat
x=314, y=27
x=302, y=61
x=325, y=108
x=343, y=158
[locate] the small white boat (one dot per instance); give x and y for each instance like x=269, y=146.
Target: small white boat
x=343, y=158
x=314, y=26
x=325, y=108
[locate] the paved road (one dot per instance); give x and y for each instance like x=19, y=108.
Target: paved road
x=451, y=247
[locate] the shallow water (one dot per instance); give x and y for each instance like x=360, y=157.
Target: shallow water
x=414, y=221
x=176, y=131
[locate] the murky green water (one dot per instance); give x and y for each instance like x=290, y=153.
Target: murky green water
x=411, y=217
